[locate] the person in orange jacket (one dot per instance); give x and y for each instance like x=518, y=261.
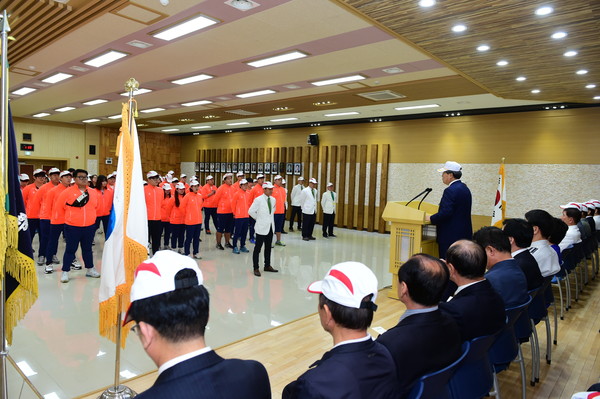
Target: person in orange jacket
x=154, y=196
x=79, y=204
x=256, y=192
x=164, y=214
x=240, y=177
x=241, y=203
x=57, y=220
x=208, y=192
x=191, y=206
x=33, y=208
x=183, y=179
x=176, y=218
x=280, y=196
x=224, y=211
x=105, y=201
x=112, y=178
x=40, y=196
x=24, y=180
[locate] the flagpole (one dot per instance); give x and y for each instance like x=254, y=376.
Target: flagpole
x=118, y=391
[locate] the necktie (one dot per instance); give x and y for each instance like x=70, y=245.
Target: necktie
x=313, y=192
x=333, y=199
x=269, y=203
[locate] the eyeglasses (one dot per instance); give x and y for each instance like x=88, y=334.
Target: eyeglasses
x=81, y=177
x=135, y=329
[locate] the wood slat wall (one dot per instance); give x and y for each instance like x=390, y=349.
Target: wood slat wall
x=354, y=211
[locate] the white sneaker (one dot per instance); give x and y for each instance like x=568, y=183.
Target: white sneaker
x=92, y=273
x=64, y=277
x=55, y=260
x=49, y=269
x=180, y=250
x=75, y=265
x=41, y=260
x=197, y=256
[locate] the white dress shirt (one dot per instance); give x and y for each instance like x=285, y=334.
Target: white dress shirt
x=546, y=257
x=259, y=211
x=328, y=202
x=573, y=236
x=297, y=195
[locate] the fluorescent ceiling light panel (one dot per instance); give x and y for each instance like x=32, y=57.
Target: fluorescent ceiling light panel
x=115, y=117
x=169, y=130
x=64, y=109
x=24, y=90
x=283, y=119
x=41, y=115
x=192, y=79
x=343, y=79
x=137, y=92
x=150, y=110
x=343, y=113
x=105, y=58
x=255, y=93
x=191, y=25
x=238, y=123
x=417, y=107
x=57, y=77
x=95, y=102
x=194, y=103
x=91, y=121
x=201, y=127
x=292, y=55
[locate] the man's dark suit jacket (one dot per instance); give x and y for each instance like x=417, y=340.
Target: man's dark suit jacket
x=209, y=376
x=530, y=269
x=453, y=219
x=509, y=281
x=361, y=370
x=420, y=344
x=478, y=310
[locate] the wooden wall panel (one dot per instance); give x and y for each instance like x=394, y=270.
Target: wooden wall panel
x=322, y=181
x=306, y=164
x=371, y=222
x=342, y=208
x=383, y=183
x=362, y=177
x=351, y=187
x=333, y=174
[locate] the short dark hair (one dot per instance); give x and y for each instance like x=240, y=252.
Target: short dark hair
x=573, y=213
x=347, y=317
x=493, y=237
x=541, y=219
x=457, y=174
x=559, y=231
x=177, y=315
x=520, y=230
x=71, y=170
x=426, y=278
x=78, y=171
x=250, y=180
x=468, y=258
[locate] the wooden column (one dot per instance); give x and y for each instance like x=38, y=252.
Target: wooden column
x=371, y=221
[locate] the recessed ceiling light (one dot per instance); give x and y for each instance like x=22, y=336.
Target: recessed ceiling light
x=582, y=72
x=193, y=103
x=191, y=25
x=95, y=102
x=41, y=115
x=211, y=117
x=596, y=97
x=559, y=35
x=292, y=55
x=238, y=123
x=169, y=130
x=343, y=79
x=343, y=113
x=459, y=28
x=483, y=47
x=24, y=90
x=291, y=87
x=64, y=109
x=139, y=44
x=521, y=78
x=150, y=110
x=201, y=127
x=57, y=77
x=283, y=119
x=590, y=86
x=570, y=53
x=426, y=3
x=417, y=107
x=186, y=120
x=256, y=93
x=536, y=91
x=502, y=63
x=393, y=70
x=91, y=120
x=137, y=92
x=79, y=68
x=324, y=103
x=279, y=109
x=115, y=117
x=544, y=10
x=192, y=79
x=105, y=58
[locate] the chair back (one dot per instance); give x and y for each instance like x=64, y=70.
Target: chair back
x=474, y=378
x=435, y=385
x=570, y=258
x=506, y=347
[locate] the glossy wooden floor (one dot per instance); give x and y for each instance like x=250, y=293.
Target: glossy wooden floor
x=287, y=351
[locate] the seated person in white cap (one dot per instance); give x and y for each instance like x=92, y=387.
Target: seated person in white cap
x=170, y=307
x=357, y=366
x=328, y=203
x=571, y=215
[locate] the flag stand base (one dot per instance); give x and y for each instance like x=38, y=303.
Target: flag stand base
x=118, y=392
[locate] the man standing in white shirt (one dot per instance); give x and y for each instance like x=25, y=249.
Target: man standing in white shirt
x=308, y=202
x=328, y=203
x=546, y=257
x=262, y=211
x=296, y=204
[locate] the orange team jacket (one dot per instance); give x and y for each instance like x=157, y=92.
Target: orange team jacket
x=175, y=214
x=280, y=197
x=28, y=193
x=164, y=209
x=257, y=191
x=241, y=203
x=78, y=216
x=45, y=211
x=154, y=197
x=105, y=200
x=191, y=206
x=58, y=213
x=209, y=202
x=223, y=195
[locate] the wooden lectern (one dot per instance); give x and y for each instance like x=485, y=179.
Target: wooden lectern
x=408, y=235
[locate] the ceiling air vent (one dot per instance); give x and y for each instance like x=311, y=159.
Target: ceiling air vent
x=383, y=95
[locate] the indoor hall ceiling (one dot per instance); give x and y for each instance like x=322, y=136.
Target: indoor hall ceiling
x=396, y=51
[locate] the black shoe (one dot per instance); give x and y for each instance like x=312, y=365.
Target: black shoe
x=324, y=235
x=284, y=232
x=257, y=272
x=332, y=235
x=228, y=245
x=305, y=239
x=311, y=238
x=291, y=229
x=219, y=246
x=270, y=269
x=208, y=232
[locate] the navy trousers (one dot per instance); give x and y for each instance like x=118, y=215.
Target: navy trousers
x=55, y=231
x=44, y=235
x=210, y=213
x=177, y=234
x=241, y=231
x=76, y=236
x=192, y=236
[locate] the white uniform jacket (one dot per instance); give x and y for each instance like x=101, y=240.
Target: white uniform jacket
x=308, y=201
x=328, y=202
x=297, y=195
x=259, y=211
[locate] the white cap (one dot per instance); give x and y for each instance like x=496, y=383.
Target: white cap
x=582, y=207
x=282, y=181
x=35, y=172
x=312, y=180
x=156, y=276
x=329, y=184
x=301, y=178
x=110, y=175
x=72, y=181
x=23, y=177
x=278, y=177
x=166, y=186
x=175, y=180
x=194, y=183
x=243, y=181
x=65, y=173
x=171, y=173
x=590, y=205
x=209, y=177
x=571, y=205
x=181, y=176
x=240, y=173
x=226, y=175
x=260, y=176
x=450, y=165
x=180, y=185
x=193, y=178
x=267, y=184
x=53, y=171
x=347, y=284
x=151, y=174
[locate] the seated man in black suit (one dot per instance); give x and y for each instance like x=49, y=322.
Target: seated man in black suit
x=169, y=305
x=520, y=235
x=475, y=306
x=503, y=273
x=425, y=340
x=357, y=366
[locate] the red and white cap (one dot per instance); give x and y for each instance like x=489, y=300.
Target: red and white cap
x=180, y=186
x=451, y=166
x=156, y=276
x=312, y=180
x=571, y=205
x=65, y=173
x=194, y=183
x=240, y=173
x=347, y=283
x=330, y=184
x=23, y=177
x=301, y=178
x=37, y=171
x=166, y=186
x=53, y=171
x=278, y=177
x=243, y=181
x=226, y=175
x=260, y=176
x=582, y=207
x=151, y=174
x=181, y=176
x=209, y=177
x=267, y=184
x=591, y=204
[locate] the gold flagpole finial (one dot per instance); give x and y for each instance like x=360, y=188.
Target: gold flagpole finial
x=132, y=85
x=503, y=158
